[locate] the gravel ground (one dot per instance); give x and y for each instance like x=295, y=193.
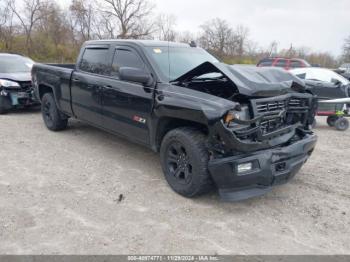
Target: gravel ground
x=83, y=191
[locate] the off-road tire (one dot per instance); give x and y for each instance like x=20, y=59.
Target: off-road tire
x=195, y=179
x=331, y=120
x=342, y=124
x=52, y=117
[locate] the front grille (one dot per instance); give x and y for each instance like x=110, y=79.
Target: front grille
x=277, y=106
x=269, y=126
x=264, y=107
x=279, y=112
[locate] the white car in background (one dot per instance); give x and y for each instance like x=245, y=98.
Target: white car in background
x=324, y=83
x=345, y=67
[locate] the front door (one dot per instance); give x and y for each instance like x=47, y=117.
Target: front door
x=127, y=106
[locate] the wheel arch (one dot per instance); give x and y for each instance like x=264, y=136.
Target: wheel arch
x=166, y=124
x=43, y=89
x=46, y=88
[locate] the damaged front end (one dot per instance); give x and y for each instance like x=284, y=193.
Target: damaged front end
x=16, y=94
x=264, y=123
x=266, y=137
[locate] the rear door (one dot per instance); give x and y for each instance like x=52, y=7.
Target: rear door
x=88, y=81
x=127, y=106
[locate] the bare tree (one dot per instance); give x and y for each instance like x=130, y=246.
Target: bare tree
x=346, y=50
x=240, y=39
x=185, y=37
x=28, y=17
x=4, y=10
x=166, y=27
x=132, y=17
x=82, y=17
x=103, y=27
x=272, y=49
x=216, y=36
x=53, y=24
x=6, y=24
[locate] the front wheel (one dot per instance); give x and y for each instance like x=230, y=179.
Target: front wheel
x=184, y=159
x=52, y=117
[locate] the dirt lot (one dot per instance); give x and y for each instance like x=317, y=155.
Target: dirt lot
x=60, y=192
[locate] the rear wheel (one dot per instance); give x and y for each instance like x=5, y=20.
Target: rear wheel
x=331, y=120
x=342, y=124
x=184, y=159
x=52, y=117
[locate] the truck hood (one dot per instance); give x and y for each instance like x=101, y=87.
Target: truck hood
x=18, y=77
x=250, y=80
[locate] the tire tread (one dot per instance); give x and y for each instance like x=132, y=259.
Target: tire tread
x=198, y=143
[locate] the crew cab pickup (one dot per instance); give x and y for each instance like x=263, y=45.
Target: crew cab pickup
x=240, y=129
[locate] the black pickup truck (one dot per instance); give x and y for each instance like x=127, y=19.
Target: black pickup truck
x=240, y=129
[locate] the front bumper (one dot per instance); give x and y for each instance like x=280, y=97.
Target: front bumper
x=18, y=98
x=270, y=167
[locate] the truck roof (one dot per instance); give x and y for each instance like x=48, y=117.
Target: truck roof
x=142, y=43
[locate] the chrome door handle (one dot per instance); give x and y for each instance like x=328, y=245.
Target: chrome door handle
x=108, y=87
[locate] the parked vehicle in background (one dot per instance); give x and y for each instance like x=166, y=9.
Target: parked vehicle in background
x=15, y=82
x=345, y=68
x=324, y=83
x=345, y=74
x=242, y=129
x=286, y=63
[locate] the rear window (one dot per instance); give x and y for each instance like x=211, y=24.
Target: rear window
x=296, y=64
x=95, y=61
x=266, y=62
x=281, y=63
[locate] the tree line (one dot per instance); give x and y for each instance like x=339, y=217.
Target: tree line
x=46, y=32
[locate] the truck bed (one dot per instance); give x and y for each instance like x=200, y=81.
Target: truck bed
x=58, y=77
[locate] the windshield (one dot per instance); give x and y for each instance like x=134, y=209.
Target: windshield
x=176, y=61
x=15, y=64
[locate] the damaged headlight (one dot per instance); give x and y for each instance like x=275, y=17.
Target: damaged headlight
x=9, y=84
x=242, y=114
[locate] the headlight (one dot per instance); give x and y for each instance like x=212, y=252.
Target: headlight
x=9, y=84
x=243, y=114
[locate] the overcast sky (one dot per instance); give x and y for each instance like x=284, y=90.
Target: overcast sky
x=319, y=24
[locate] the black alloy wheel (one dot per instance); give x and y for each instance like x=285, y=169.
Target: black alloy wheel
x=184, y=158
x=53, y=118
x=179, y=163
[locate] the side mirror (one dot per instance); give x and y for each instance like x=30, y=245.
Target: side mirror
x=135, y=75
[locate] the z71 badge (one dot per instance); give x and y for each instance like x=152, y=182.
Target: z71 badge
x=140, y=119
